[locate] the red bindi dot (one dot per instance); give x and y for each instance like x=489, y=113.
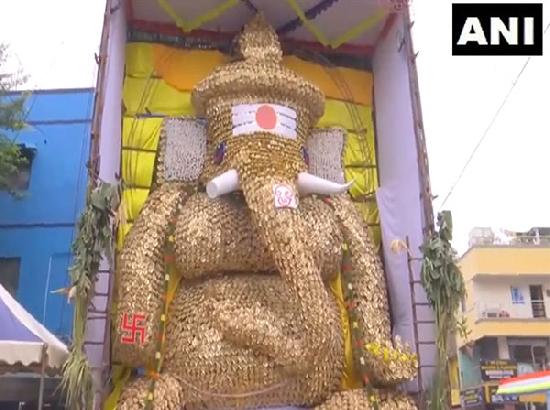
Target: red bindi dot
x=266, y=117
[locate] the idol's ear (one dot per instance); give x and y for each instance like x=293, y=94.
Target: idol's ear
x=325, y=148
x=181, y=150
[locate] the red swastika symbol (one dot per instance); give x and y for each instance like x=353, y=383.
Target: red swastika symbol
x=132, y=328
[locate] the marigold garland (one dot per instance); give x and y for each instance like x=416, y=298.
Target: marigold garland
x=350, y=299
x=388, y=355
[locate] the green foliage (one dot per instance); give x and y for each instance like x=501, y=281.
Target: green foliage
x=445, y=289
x=434, y=398
x=94, y=240
x=11, y=161
x=12, y=118
x=462, y=328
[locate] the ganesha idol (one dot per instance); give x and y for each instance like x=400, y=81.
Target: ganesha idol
x=250, y=212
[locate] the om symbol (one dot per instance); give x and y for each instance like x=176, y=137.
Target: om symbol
x=284, y=196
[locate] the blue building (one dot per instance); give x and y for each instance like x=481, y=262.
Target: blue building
x=37, y=230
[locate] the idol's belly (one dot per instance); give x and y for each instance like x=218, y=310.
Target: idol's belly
x=205, y=357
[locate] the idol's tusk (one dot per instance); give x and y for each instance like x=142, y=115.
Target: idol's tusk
x=311, y=184
x=223, y=184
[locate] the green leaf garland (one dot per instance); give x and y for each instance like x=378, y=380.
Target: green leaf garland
x=94, y=240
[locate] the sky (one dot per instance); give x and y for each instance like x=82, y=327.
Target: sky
x=53, y=50
x=505, y=185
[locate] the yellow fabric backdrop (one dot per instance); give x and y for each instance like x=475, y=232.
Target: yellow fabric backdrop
x=145, y=59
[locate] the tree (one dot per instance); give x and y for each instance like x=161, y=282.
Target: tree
x=12, y=116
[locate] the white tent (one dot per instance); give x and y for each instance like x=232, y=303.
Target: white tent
x=25, y=344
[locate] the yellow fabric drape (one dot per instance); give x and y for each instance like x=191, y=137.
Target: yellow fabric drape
x=364, y=181
x=120, y=376
x=368, y=212
x=359, y=150
x=133, y=200
x=141, y=133
x=339, y=83
x=139, y=60
x=209, y=15
x=183, y=69
x=154, y=95
x=123, y=230
x=350, y=378
x=138, y=167
x=347, y=115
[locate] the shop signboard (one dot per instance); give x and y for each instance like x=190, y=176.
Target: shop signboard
x=492, y=398
x=472, y=398
x=492, y=370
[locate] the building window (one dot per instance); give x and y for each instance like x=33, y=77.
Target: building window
x=522, y=353
x=20, y=180
x=540, y=358
x=517, y=296
x=532, y=355
x=488, y=348
x=537, y=301
x=9, y=274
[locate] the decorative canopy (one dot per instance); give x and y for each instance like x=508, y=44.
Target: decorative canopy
x=333, y=23
x=23, y=338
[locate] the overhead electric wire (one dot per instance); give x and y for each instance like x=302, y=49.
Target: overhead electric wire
x=488, y=128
